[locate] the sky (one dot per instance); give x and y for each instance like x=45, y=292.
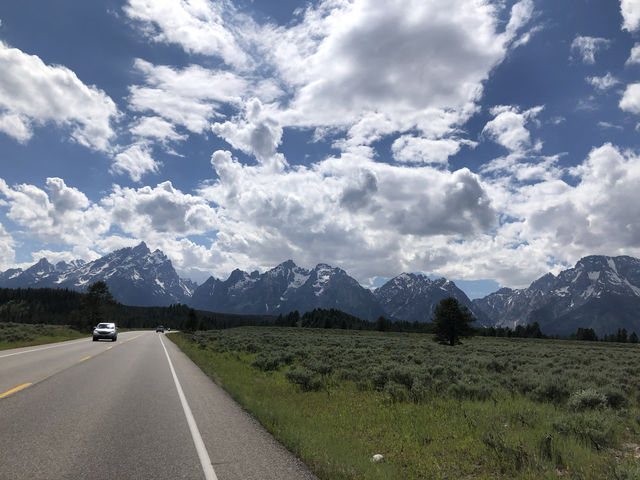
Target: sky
x=488, y=142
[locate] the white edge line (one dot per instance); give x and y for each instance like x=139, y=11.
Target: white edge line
x=44, y=348
x=205, y=461
x=61, y=344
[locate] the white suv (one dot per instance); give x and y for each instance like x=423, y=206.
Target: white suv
x=105, y=330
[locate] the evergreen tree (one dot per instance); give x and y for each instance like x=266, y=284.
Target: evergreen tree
x=452, y=322
x=96, y=303
x=633, y=338
x=383, y=324
x=192, y=323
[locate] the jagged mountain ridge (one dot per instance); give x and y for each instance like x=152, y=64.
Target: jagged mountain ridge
x=285, y=288
x=600, y=292
x=414, y=297
x=135, y=276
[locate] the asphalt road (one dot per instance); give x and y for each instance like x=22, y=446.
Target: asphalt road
x=137, y=408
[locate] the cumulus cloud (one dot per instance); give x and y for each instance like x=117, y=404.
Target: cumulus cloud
x=135, y=161
x=7, y=251
x=189, y=97
x=585, y=48
x=256, y=132
x=634, y=56
x=603, y=83
x=508, y=128
x=164, y=210
x=630, y=10
x=16, y=126
x=61, y=214
x=410, y=149
x=367, y=68
x=156, y=128
x=630, y=101
x=33, y=93
x=561, y=221
x=198, y=26
x=346, y=62
x=363, y=210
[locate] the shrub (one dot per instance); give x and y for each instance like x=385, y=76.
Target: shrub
x=586, y=399
x=305, y=378
x=379, y=378
x=552, y=390
x=402, y=375
x=594, y=428
x=266, y=362
x=616, y=398
x=396, y=391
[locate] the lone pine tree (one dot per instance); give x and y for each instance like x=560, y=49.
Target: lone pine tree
x=452, y=322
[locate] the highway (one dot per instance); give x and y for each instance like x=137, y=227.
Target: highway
x=137, y=408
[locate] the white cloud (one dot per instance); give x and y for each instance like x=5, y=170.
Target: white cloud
x=410, y=149
x=630, y=101
x=553, y=219
x=349, y=211
x=603, y=83
x=63, y=215
x=610, y=125
x=198, y=26
x=256, y=132
x=16, y=126
x=508, y=128
x=634, y=56
x=156, y=128
x=33, y=93
x=521, y=13
x=135, y=161
x=7, y=252
x=189, y=97
x=516, y=221
x=348, y=61
x=630, y=10
x=586, y=47
x=151, y=213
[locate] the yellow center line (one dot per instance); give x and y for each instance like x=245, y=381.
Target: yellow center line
x=134, y=337
x=109, y=348
x=85, y=358
x=14, y=390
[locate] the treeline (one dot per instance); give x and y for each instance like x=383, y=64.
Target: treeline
x=337, y=319
x=521, y=331
x=68, y=307
x=589, y=335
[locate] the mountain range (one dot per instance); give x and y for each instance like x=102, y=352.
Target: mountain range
x=600, y=292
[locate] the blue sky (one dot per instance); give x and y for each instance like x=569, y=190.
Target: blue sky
x=485, y=141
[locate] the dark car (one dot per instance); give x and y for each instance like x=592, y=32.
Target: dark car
x=105, y=330
x=160, y=329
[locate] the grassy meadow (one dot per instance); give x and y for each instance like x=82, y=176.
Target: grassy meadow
x=15, y=335
x=490, y=408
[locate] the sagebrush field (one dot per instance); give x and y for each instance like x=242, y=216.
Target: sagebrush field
x=14, y=335
x=490, y=408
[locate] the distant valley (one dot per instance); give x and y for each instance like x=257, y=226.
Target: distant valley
x=600, y=292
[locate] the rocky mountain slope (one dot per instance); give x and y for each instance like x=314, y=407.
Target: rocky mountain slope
x=600, y=292
x=135, y=276
x=414, y=297
x=285, y=288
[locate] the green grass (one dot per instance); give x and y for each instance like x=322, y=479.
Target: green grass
x=491, y=408
x=15, y=335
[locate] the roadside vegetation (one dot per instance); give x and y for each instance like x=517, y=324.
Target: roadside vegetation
x=489, y=408
x=15, y=335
